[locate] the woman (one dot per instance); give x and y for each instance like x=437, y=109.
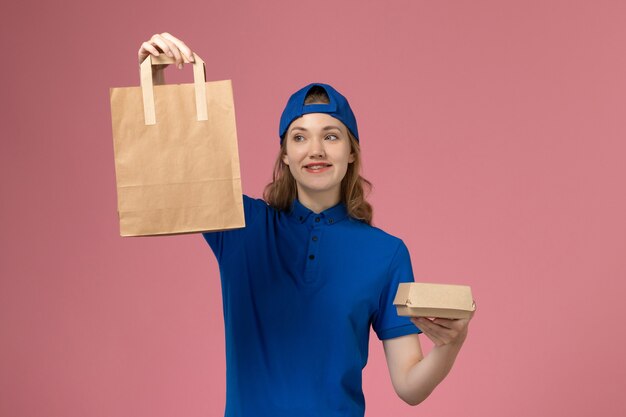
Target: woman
x=306, y=278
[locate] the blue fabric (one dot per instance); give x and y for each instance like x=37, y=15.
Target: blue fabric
x=300, y=292
x=339, y=108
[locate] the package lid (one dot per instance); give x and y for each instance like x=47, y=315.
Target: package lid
x=426, y=296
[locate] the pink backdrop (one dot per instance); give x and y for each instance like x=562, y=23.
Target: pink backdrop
x=493, y=132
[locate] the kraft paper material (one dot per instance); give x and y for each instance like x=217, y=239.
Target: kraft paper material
x=175, y=172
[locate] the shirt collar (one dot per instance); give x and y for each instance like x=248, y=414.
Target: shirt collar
x=330, y=216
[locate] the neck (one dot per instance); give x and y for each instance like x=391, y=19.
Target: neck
x=318, y=201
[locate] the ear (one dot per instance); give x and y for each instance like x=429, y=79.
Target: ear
x=351, y=158
x=285, y=159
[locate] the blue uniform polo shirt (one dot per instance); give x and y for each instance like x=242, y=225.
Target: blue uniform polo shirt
x=300, y=292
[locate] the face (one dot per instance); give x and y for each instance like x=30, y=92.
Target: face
x=318, y=154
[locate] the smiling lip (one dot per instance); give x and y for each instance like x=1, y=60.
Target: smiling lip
x=317, y=167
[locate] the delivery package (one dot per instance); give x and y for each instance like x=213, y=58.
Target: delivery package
x=176, y=157
x=417, y=299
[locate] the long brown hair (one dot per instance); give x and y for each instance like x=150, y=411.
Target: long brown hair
x=281, y=192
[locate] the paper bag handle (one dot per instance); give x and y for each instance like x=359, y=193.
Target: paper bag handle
x=147, y=87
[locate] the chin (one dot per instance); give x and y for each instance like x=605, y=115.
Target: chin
x=317, y=188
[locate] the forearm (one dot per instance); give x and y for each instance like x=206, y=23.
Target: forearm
x=425, y=375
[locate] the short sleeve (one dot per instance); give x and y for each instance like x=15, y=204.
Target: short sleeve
x=386, y=323
x=228, y=241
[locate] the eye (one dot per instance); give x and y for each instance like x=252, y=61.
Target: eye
x=332, y=137
x=298, y=138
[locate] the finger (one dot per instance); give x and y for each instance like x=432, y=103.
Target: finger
x=163, y=44
x=443, y=334
x=182, y=46
x=425, y=328
x=459, y=325
x=170, y=37
x=447, y=323
x=150, y=48
x=145, y=50
x=174, y=48
x=423, y=324
x=434, y=339
x=415, y=322
x=177, y=55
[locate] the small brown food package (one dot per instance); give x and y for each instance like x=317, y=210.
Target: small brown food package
x=434, y=300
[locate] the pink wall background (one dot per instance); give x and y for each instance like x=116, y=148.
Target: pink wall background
x=493, y=132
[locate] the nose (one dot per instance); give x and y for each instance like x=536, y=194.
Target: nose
x=316, y=149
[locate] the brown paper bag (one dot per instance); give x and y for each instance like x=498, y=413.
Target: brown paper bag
x=176, y=158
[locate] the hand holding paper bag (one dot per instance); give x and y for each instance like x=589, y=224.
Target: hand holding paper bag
x=167, y=44
x=176, y=157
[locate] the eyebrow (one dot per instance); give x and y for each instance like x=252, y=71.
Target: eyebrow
x=324, y=128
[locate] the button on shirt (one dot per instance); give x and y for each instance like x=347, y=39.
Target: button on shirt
x=300, y=291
